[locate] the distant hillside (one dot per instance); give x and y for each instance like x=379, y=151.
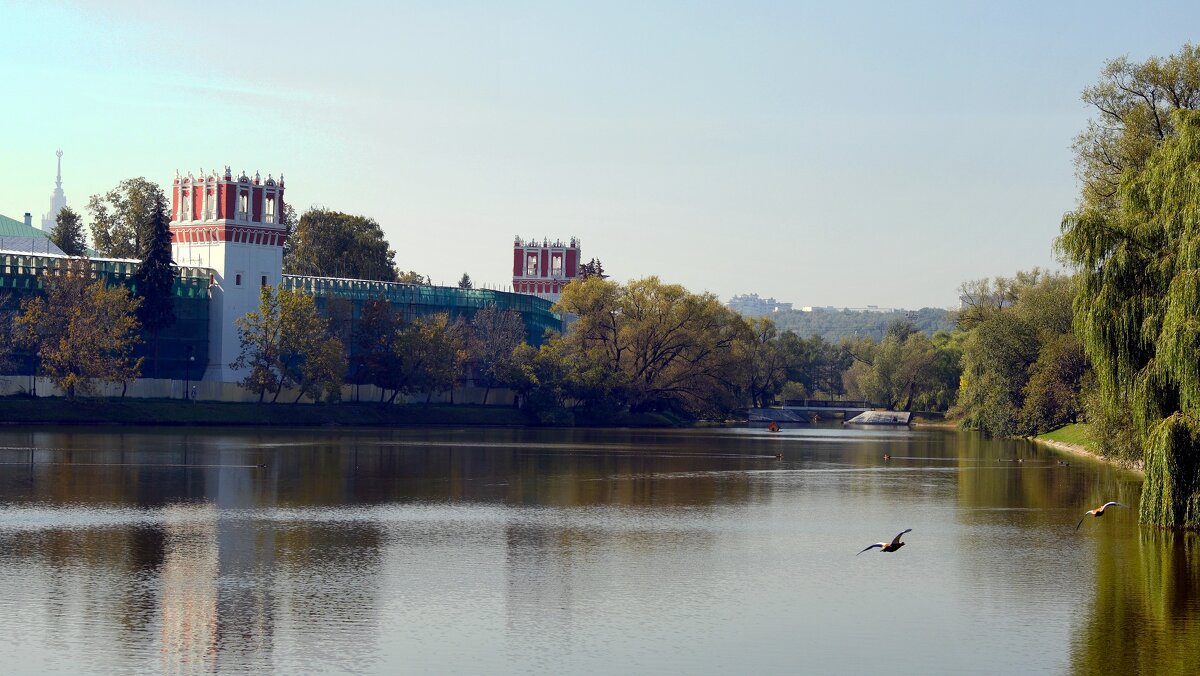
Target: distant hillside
x=833, y=325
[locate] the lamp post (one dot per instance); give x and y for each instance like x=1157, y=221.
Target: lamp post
x=187, y=370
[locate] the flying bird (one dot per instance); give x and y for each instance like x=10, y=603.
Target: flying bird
x=888, y=546
x=1097, y=512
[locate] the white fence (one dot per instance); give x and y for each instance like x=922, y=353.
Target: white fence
x=205, y=390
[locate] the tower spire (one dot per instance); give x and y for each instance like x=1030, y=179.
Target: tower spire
x=58, y=200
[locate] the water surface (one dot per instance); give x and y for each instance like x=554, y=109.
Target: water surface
x=578, y=551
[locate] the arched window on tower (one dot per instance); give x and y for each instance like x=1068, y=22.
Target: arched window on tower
x=269, y=210
x=243, y=205
x=210, y=201
x=556, y=265
x=531, y=263
x=185, y=206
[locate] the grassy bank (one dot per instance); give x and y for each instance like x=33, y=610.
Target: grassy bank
x=1076, y=438
x=1075, y=434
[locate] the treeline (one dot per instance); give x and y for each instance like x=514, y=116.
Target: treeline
x=834, y=325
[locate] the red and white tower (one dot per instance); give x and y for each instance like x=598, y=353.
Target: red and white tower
x=544, y=268
x=232, y=226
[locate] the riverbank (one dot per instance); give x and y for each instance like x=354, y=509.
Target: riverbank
x=175, y=412
x=1075, y=440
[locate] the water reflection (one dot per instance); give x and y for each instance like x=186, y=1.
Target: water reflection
x=562, y=551
x=1144, y=616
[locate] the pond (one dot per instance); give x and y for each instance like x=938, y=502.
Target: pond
x=707, y=551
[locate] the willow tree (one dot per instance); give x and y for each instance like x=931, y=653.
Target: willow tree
x=1137, y=313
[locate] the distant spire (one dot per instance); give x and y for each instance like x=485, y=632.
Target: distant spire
x=58, y=200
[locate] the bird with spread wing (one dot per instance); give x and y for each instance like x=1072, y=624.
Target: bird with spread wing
x=889, y=546
x=1097, y=512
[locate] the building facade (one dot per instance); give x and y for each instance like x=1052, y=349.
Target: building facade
x=750, y=305
x=543, y=268
x=229, y=225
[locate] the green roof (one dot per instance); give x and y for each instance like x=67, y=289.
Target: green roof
x=14, y=228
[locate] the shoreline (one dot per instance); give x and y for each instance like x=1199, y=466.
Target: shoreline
x=1084, y=452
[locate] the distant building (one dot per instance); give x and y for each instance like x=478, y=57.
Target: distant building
x=869, y=308
x=543, y=268
x=750, y=305
x=58, y=199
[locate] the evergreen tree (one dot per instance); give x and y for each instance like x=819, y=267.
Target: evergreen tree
x=154, y=280
x=465, y=282
x=68, y=233
x=592, y=268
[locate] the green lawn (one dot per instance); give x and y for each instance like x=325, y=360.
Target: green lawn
x=1075, y=433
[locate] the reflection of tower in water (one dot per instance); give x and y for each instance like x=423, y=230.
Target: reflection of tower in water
x=216, y=607
x=189, y=588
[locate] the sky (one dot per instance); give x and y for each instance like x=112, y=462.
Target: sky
x=845, y=154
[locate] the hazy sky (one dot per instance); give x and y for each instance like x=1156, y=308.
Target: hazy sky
x=835, y=153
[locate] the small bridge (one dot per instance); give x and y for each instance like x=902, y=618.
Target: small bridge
x=802, y=410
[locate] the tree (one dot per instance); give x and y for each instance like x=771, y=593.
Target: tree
x=1053, y=393
x=761, y=368
x=465, y=282
x=1139, y=269
x=997, y=355
x=413, y=277
x=592, y=268
x=123, y=218
x=82, y=330
x=154, y=280
x=655, y=344
x=982, y=298
x=441, y=344
x=6, y=332
x=260, y=335
x=495, y=336
x=1017, y=365
x=68, y=233
x=286, y=343
x=375, y=359
x=328, y=243
x=287, y=218
x=312, y=360
x=814, y=365
x=1135, y=102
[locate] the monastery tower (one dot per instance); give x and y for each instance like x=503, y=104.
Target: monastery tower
x=544, y=268
x=232, y=226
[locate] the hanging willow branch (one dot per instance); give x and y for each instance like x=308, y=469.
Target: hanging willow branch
x=1137, y=313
